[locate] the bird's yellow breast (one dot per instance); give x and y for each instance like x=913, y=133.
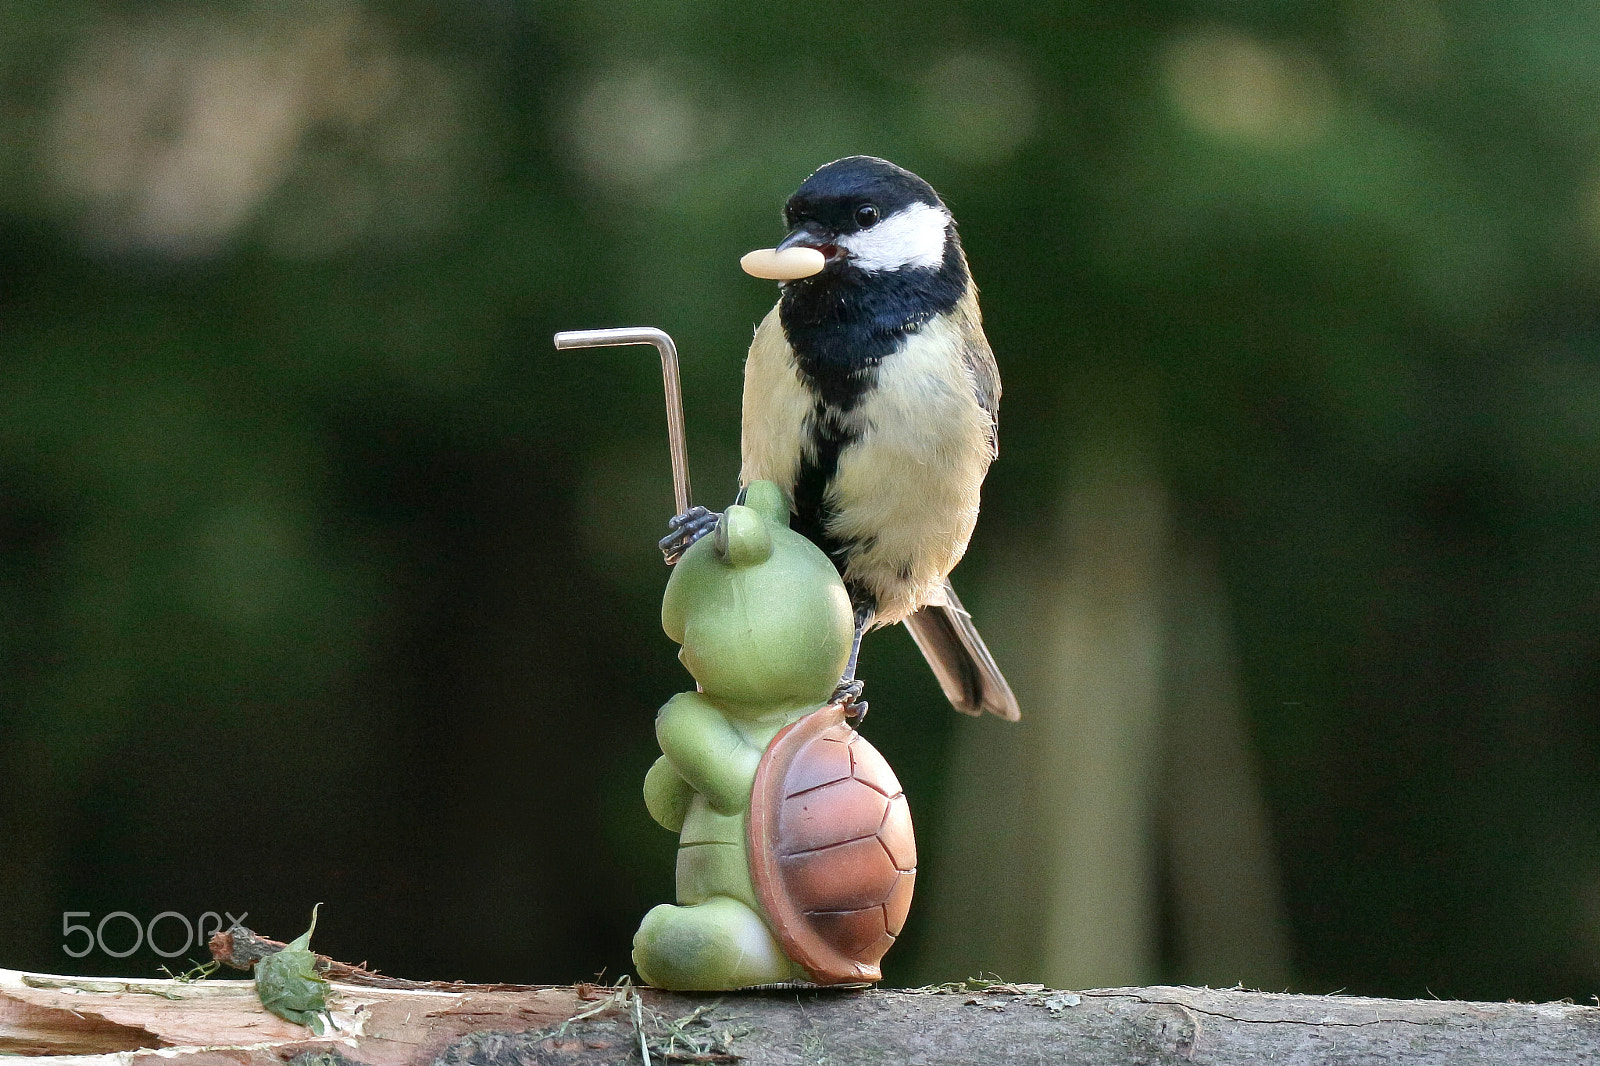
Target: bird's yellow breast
x=906, y=489
x=776, y=404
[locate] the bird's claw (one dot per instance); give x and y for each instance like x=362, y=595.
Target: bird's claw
x=848, y=696
x=686, y=528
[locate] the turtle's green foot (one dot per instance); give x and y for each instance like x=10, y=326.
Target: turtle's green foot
x=716, y=945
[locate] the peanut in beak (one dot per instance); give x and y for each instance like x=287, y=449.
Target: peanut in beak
x=791, y=264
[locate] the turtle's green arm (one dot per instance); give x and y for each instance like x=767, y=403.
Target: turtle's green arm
x=708, y=753
x=667, y=795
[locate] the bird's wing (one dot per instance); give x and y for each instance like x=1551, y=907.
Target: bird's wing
x=986, y=383
x=979, y=358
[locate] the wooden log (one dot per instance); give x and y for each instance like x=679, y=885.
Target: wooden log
x=75, y=1021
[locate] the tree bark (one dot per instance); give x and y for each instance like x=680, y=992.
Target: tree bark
x=73, y=1021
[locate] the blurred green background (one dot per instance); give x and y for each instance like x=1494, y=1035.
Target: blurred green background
x=323, y=577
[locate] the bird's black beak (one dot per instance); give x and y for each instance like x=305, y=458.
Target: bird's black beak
x=812, y=235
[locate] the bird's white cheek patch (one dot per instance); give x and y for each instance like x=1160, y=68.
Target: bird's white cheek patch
x=913, y=237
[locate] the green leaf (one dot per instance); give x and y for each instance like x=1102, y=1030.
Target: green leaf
x=288, y=985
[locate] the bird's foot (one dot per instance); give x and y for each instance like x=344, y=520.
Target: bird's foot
x=686, y=528
x=848, y=696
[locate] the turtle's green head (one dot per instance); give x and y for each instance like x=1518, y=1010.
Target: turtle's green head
x=761, y=613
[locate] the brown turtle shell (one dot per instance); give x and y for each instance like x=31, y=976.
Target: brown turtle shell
x=831, y=849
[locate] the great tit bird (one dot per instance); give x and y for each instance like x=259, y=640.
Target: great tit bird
x=870, y=395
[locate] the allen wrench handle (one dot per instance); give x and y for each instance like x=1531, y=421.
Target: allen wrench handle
x=673, y=386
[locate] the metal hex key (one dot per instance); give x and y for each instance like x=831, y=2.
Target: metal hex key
x=604, y=338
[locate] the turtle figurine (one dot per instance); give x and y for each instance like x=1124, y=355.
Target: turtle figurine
x=796, y=857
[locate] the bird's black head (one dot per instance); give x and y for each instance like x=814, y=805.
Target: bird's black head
x=894, y=263
x=866, y=214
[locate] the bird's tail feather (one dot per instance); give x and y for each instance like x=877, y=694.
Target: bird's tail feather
x=965, y=669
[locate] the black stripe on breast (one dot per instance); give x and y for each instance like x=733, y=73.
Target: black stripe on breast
x=826, y=439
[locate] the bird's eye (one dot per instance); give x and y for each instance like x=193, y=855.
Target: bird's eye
x=866, y=215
